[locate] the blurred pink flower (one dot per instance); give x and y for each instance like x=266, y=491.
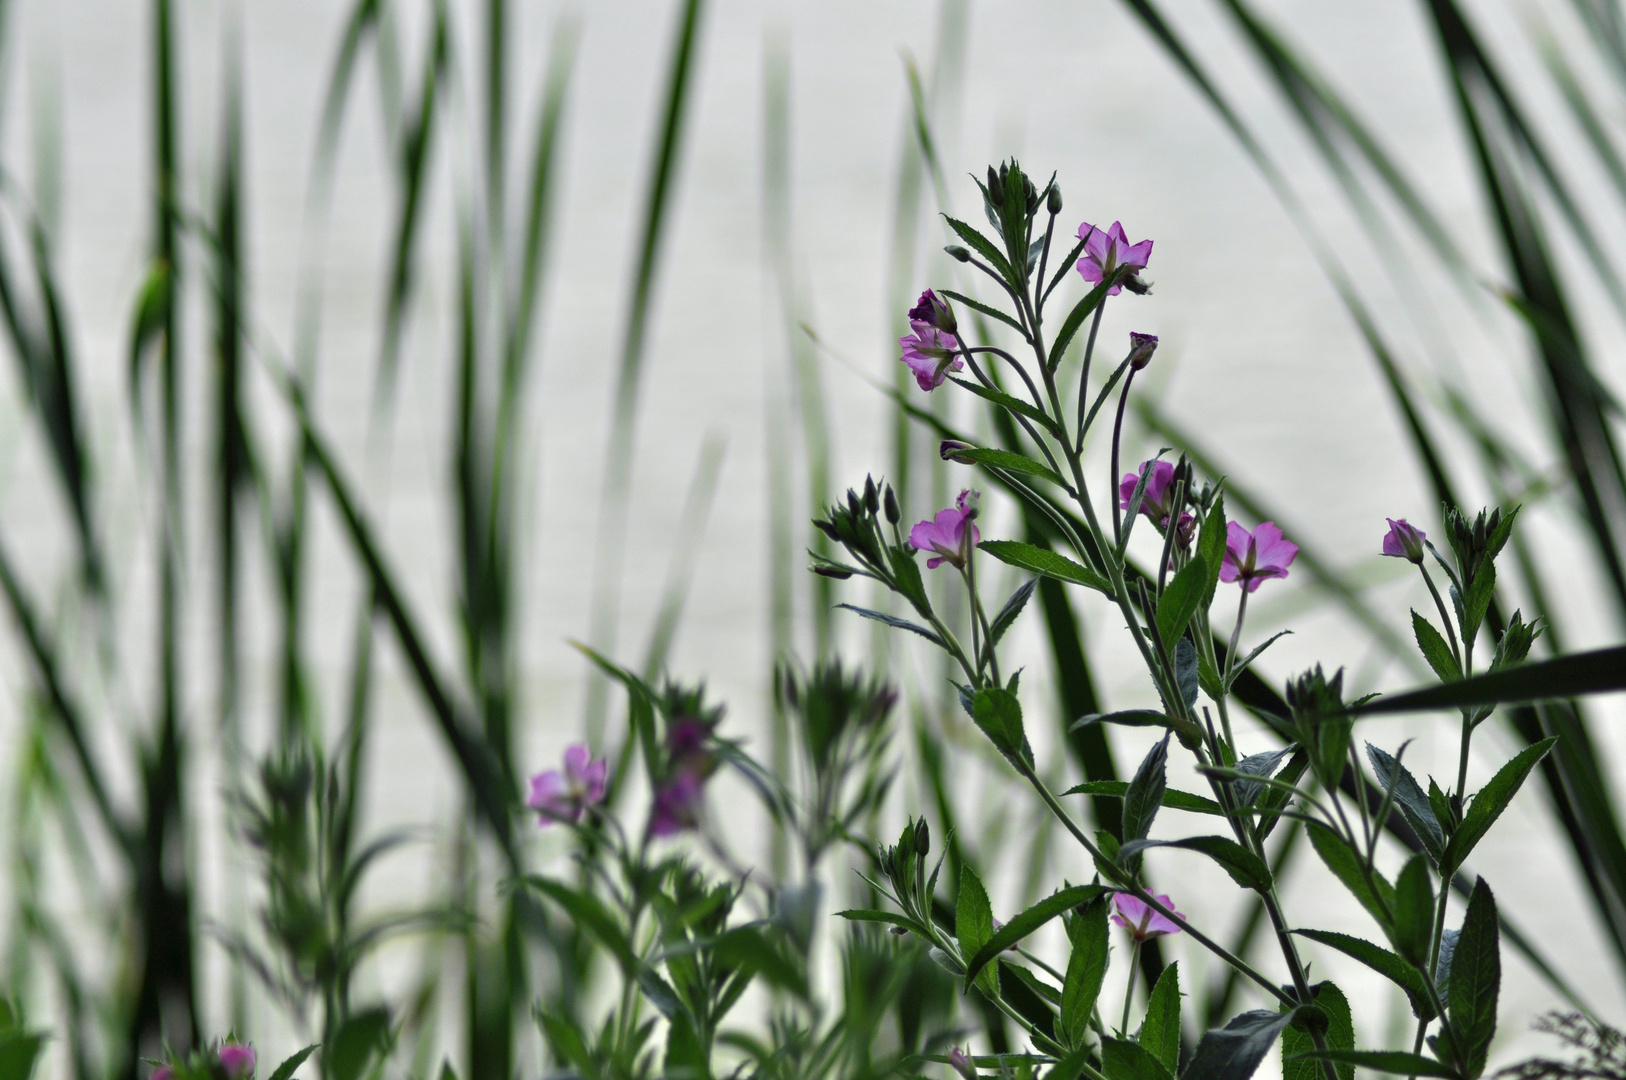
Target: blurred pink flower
x=1105, y=252
x=1404, y=540
x=163, y=1072
x=562, y=796
x=677, y=804
x=236, y=1058
x=946, y=534
x=1138, y=917
x=928, y=353
x=1252, y=557
x=962, y=1064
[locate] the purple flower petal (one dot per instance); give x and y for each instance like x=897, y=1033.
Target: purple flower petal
x=236, y=1058
x=1404, y=540
x=677, y=805
x=1253, y=557
x=944, y=535
x=1141, y=920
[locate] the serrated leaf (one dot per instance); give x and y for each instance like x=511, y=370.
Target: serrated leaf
x=992, y=313
x=1478, y=600
x=1276, y=795
x=1006, y=401
x=984, y=247
x=999, y=715
x=1408, y=796
x=1262, y=764
x=1013, y=608
x=1397, y=1062
x=1075, y=319
x=1491, y=800
x=1235, y=1051
x=1028, y=921
x=1211, y=546
x=1434, y=649
x=1377, y=898
x=1145, y=793
x=1248, y=660
x=1160, y=1031
x=1086, y=969
x=1185, y=670
x=1181, y=600
x=974, y=924
x=1246, y=869
x=1173, y=799
x=1476, y=977
x=895, y=621
x=1414, y=911
x=1390, y=965
x=1340, y=1036
x=1123, y=1060
x=1043, y=561
x=285, y=1071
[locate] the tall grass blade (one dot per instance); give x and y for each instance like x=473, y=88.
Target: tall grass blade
x=610, y=548
x=691, y=531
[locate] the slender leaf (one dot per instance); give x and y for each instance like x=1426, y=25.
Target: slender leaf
x=1414, y=805
x=1086, y=969
x=1160, y=1031
x=1039, y=560
x=1235, y=1051
x=1377, y=897
x=1029, y=921
x=1476, y=976
x=1601, y=671
x=1145, y=793
x=899, y=623
x=1434, y=649
x=1390, y=965
x=1246, y=869
x=285, y=1071
x=1173, y=799
x=1009, y=461
x=1182, y=599
x=1012, y=608
x=1397, y=1062
x=1489, y=802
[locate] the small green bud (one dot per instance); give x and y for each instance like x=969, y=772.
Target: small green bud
x=825, y=570
x=1053, y=201
x=872, y=502
x=958, y=253
x=893, y=516
x=923, y=839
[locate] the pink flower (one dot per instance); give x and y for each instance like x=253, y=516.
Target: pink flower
x=1141, y=346
x=1159, y=486
x=1138, y=917
x=236, y=1058
x=163, y=1072
x=562, y=796
x=1404, y=541
x=929, y=352
x=686, y=736
x=951, y=535
x=677, y=804
x=962, y=1064
x=1105, y=252
x=1252, y=557
x=931, y=310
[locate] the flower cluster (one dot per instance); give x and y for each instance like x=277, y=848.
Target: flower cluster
x=930, y=348
x=679, y=798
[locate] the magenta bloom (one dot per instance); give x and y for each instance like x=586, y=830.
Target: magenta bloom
x=951, y=535
x=929, y=352
x=1105, y=252
x=1252, y=557
x=931, y=310
x=163, y=1072
x=1159, y=486
x=1404, y=540
x=562, y=796
x=686, y=736
x=236, y=1058
x=962, y=1064
x=1136, y=916
x=677, y=804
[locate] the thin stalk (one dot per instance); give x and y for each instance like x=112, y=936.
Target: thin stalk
x=1129, y=985
x=1117, y=435
x=1439, y=604
x=1084, y=375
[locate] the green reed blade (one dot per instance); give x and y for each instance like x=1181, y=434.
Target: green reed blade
x=610, y=547
x=691, y=531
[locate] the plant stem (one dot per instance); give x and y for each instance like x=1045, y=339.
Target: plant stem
x=1112, y=480
x=1129, y=986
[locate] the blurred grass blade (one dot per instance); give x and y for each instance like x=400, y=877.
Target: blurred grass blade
x=610, y=548
x=691, y=531
x=1601, y=671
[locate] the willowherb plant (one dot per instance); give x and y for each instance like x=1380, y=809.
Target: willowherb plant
x=1314, y=775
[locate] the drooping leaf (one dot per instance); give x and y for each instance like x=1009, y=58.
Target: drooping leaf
x=1040, y=560
x=1160, y=1031
x=1234, y=1051
x=1246, y=869
x=1409, y=797
x=1382, y=961
x=1340, y=1035
x=1028, y=921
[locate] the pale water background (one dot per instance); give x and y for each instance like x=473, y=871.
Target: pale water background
x=1257, y=356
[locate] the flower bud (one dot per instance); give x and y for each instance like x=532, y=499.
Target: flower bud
x=958, y=253
x=949, y=450
x=1141, y=348
x=962, y=1064
x=1053, y=201
x=996, y=189
x=825, y=570
x=828, y=529
x=1185, y=530
x=890, y=503
x=923, y=839
x=872, y=498
x=853, y=504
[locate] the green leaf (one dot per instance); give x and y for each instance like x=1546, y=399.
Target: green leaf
x=1145, y=793
x=1009, y=461
x=891, y=918
x=999, y=715
x=1396, y=1062
x=974, y=925
x=1491, y=800
x=1181, y=599
x=1601, y=671
x=19, y=1050
x=1013, y=608
x=355, y=1044
x=984, y=247
x=1434, y=649
x=1261, y=765
x=285, y=1071
x=1408, y=796
x=1086, y=969
x=1123, y=1060
x=893, y=620
x=1480, y=593
x=1029, y=921
x=991, y=312
x=749, y=948
x=588, y=912
x=1173, y=799
x=1006, y=401
x=1185, y=670
x=1345, y=863
x=1277, y=795
x=1390, y=965
x=1040, y=560
x=1414, y=911
x=1476, y=976
x=1211, y=546
x=1075, y=319
x=1160, y=1031
x=1247, y=661
x=1235, y=1051
x=1127, y=718
x=1340, y=1035
x=1246, y=869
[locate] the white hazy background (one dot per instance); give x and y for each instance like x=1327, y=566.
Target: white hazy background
x=1257, y=357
